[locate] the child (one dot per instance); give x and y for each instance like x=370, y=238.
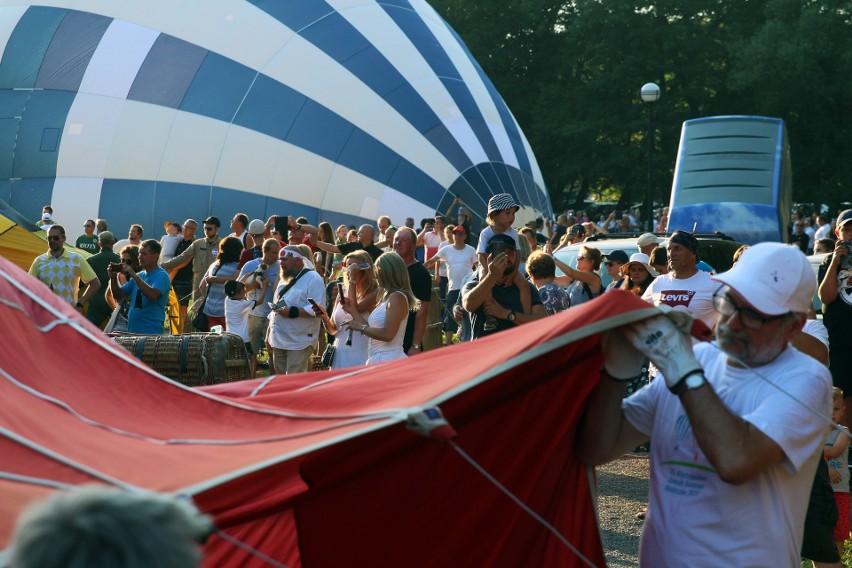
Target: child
x=170, y=241
x=501, y=216
x=237, y=308
x=835, y=449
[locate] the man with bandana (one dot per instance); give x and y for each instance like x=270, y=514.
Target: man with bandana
x=737, y=426
x=684, y=287
x=835, y=293
x=293, y=327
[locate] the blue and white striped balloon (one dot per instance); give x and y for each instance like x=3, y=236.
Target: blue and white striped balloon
x=140, y=111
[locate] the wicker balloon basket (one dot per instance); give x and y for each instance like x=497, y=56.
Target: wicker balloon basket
x=193, y=359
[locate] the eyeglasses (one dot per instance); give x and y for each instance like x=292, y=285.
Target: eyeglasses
x=87, y=226
x=208, y=229
x=750, y=318
x=54, y=237
x=126, y=261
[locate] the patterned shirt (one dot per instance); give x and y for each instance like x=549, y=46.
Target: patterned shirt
x=554, y=298
x=63, y=274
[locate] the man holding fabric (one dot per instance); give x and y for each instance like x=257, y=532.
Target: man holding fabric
x=293, y=327
x=737, y=425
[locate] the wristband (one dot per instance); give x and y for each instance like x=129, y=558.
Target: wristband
x=294, y=312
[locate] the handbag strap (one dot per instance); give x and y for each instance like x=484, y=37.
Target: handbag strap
x=215, y=272
x=290, y=284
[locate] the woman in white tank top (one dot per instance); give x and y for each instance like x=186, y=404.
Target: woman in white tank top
x=385, y=326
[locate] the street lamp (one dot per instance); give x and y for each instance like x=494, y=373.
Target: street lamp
x=650, y=94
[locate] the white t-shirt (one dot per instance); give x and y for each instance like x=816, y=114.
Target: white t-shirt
x=168, y=245
x=487, y=233
x=696, y=519
x=823, y=232
x=297, y=333
x=817, y=329
x=236, y=316
x=460, y=262
x=693, y=294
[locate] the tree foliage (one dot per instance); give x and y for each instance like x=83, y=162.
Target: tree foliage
x=571, y=73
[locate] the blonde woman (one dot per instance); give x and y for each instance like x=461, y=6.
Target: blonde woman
x=360, y=290
x=386, y=325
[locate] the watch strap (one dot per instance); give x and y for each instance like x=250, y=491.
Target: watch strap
x=682, y=386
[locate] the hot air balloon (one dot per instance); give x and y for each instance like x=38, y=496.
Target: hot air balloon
x=142, y=111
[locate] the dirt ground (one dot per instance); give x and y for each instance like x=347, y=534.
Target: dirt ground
x=622, y=493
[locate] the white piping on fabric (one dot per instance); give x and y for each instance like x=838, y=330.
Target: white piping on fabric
x=65, y=460
x=123, y=354
x=541, y=520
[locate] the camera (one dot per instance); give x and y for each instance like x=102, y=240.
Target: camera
x=115, y=266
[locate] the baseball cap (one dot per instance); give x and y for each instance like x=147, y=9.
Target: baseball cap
x=618, y=256
x=646, y=239
x=47, y=217
x=774, y=278
x=844, y=217
x=508, y=242
x=256, y=227
x=577, y=229
x=502, y=202
x=458, y=229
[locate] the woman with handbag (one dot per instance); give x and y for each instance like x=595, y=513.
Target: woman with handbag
x=221, y=271
x=386, y=325
x=360, y=290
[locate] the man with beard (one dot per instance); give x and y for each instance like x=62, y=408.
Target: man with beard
x=737, y=426
x=293, y=327
x=497, y=295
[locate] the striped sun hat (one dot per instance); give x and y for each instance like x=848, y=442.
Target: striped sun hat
x=502, y=202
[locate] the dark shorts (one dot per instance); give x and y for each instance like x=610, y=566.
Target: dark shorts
x=450, y=323
x=249, y=350
x=183, y=290
x=818, y=541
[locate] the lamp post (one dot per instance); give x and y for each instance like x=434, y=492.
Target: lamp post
x=650, y=94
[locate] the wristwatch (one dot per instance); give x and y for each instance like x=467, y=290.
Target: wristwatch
x=418, y=347
x=694, y=380
x=511, y=316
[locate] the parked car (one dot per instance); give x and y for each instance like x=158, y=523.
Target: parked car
x=716, y=250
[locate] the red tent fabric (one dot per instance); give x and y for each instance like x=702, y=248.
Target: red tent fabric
x=317, y=469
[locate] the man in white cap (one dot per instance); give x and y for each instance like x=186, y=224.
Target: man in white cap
x=256, y=229
x=835, y=293
x=293, y=326
x=736, y=425
x=647, y=242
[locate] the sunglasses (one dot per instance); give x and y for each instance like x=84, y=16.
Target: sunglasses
x=126, y=260
x=609, y=263
x=208, y=229
x=54, y=237
x=749, y=317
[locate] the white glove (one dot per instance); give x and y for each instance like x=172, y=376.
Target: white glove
x=669, y=348
x=621, y=360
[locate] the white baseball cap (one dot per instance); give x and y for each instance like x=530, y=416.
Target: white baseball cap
x=774, y=278
x=256, y=227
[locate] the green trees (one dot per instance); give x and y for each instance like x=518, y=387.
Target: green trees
x=571, y=73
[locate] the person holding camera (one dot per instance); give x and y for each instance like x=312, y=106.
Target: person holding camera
x=835, y=293
x=496, y=293
x=147, y=289
x=254, y=274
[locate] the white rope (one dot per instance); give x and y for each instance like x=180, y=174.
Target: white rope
x=250, y=549
x=541, y=520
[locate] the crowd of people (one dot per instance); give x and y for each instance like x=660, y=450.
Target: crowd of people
x=730, y=449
